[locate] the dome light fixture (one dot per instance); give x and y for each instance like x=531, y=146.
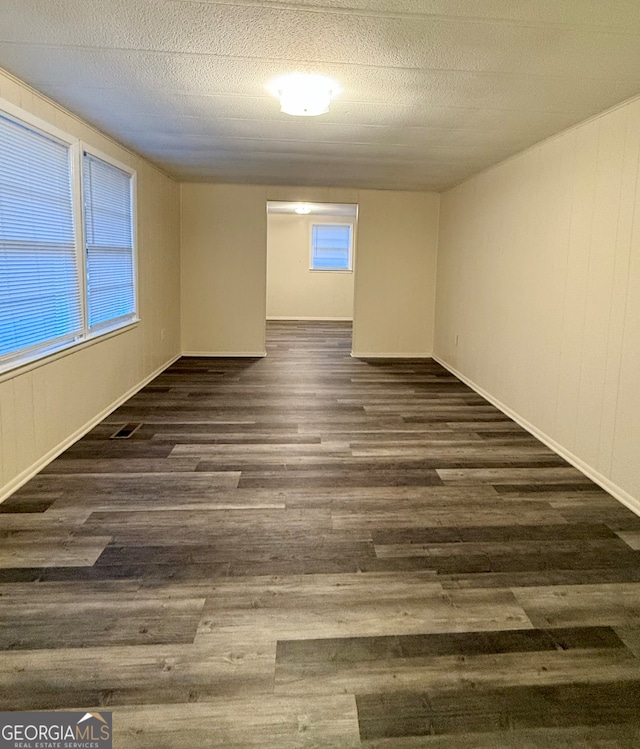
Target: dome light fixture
x=304, y=94
x=302, y=210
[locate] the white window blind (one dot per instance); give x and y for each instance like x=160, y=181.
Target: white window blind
x=331, y=247
x=108, y=222
x=40, y=303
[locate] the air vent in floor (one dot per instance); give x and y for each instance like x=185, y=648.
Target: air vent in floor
x=125, y=432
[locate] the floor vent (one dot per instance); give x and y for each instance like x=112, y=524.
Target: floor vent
x=125, y=432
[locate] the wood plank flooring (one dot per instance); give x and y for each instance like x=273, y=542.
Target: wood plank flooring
x=310, y=550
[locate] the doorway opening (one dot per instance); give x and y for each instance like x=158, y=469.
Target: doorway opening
x=311, y=261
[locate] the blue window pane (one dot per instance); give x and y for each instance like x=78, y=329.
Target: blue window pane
x=110, y=285
x=42, y=309
x=330, y=247
x=109, y=242
x=40, y=303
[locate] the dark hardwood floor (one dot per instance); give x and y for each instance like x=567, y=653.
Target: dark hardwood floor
x=310, y=550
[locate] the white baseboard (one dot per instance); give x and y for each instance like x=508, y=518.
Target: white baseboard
x=633, y=503
x=312, y=319
x=226, y=354
x=394, y=355
x=22, y=478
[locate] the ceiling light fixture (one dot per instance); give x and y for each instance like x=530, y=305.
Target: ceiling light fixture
x=304, y=94
x=302, y=210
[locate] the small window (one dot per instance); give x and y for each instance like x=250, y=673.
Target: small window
x=331, y=246
x=108, y=228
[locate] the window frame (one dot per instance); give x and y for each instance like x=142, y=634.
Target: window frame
x=110, y=325
x=351, y=226
x=29, y=358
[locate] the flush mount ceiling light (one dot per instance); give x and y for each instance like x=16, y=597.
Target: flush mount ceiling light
x=303, y=210
x=304, y=94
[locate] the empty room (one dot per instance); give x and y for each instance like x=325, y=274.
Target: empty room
x=319, y=374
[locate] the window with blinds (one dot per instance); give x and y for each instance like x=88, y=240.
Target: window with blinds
x=40, y=299
x=331, y=246
x=108, y=228
x=52, y=294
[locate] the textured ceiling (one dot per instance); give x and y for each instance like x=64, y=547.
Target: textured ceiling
x=432, y=90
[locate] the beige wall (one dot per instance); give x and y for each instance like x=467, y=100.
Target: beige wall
x=539, y=278
x=295, y=291
x=224, y=240
x=45, y=407
x=396, y=272
x=224, y=267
